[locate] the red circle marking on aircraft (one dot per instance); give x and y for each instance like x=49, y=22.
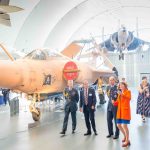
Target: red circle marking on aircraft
x=70, y=71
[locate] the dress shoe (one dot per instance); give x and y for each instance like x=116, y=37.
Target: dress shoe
x=62, y=132
x=88, y=133
x=126, y=144
x=73, y=131
x=95, y=133
x=108, y=136
x=144, y=120
x=115, y=137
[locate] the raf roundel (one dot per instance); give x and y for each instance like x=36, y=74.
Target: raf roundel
x=70, y=71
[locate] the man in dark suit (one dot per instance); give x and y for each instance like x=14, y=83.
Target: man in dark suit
x=72, y=97
x=87, y=106
x=112, y=93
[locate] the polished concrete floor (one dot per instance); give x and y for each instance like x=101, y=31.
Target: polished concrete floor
x=21, y=133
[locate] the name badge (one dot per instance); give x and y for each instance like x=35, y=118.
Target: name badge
x=90, y=94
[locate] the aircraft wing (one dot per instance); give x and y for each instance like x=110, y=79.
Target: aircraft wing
x=72, y=50
x=4, y=9
x=84, y=41
x=104, y=72
x=108, y=45
x=136, y=43
x=5, y=19
x=4, y=2
x=9, y=9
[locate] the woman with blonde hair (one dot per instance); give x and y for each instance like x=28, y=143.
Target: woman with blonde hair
x=123, y=113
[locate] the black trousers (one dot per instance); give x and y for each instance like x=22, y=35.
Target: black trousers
x=110, y=116
x=5, y=99
x=89, y=115
x=74, y=120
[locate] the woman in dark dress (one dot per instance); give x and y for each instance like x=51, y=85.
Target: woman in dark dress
x=143, y=101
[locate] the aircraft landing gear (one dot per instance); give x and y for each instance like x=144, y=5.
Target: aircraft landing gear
x=36, y=116
x=36, y=113
x=121, y=56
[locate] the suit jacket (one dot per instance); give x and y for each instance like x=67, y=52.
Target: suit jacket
x=91, y=98
x=123, y=100
x=72, y=98
x=112, y=93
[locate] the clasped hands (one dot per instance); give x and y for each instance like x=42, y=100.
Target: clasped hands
x=81, y=110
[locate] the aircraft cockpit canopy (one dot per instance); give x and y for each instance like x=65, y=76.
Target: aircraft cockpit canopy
x=37, y=55
x=42, y=54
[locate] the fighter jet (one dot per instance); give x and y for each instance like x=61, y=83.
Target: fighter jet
x=121, y=41
x=5, y=9
x=44, y=72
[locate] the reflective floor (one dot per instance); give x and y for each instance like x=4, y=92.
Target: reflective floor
x=21, y=133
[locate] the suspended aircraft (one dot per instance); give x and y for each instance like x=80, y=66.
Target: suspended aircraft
x=5, y=9
x=44, y=72
x=121, y=41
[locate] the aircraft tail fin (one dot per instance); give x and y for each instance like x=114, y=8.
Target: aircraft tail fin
x=71, y=50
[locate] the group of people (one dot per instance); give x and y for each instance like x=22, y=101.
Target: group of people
x=87, y=106
x=118, y=108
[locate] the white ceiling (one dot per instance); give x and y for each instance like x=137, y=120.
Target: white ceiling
x=55, y=23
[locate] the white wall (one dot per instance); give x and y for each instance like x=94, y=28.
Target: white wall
x=132, y=66
x=41, y=21
x=8, y=35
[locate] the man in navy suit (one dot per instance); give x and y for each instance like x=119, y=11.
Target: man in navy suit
x=87, y=106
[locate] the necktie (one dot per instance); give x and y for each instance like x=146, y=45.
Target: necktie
x=86, y=96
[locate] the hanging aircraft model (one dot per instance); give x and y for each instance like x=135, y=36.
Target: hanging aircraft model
x=5, y=9
x=120, y=41
x=44, y=72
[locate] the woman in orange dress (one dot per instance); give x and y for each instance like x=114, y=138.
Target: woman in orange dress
x=123, y=112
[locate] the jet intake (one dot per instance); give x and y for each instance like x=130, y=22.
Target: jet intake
x=70, y=71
